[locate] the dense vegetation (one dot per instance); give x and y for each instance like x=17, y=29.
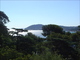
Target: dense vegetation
x=58, y=44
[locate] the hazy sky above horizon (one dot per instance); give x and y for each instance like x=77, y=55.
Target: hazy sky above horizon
x=25, y=13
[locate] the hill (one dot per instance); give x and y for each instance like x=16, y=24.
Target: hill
x=34, y=27
x=39, y=27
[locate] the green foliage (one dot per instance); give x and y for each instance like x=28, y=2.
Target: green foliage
x=3, y=30
x=35, y=38
x=5, y=41
x=7, y=53
x=25, y=45
x=17, y=31
x=63, y=48
x=48, y=29
x=4, y=36
x=75, y=37
x=12, y=54
x=79, y=27
x=46, y=55
x=3, y=18
x=59, y=36
x=30, y=47
x=32, y=36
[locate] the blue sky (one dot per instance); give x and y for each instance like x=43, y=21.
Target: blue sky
x=25, y=13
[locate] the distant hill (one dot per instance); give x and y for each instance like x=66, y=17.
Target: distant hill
x=34, y=27
x=69, y=28
x=39, y=27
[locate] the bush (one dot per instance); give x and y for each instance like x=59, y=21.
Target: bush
x=46, y=55
x=8, y=53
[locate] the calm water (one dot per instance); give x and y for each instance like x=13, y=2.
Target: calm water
x=38, y=33
x=35, y=32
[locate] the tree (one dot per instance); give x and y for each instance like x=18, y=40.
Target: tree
x=79, y=27
x=63, y=48
x=3, y=18
x=17, y=31
x=4, y=37
x=25, y=45
x=48, y=29
x=3, y=30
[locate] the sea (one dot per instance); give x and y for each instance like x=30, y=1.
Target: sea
x=38, y=33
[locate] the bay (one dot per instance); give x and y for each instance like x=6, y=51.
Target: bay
x=38, y=33
x=35, y=32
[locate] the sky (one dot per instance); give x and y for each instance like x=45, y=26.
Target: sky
x=23, y=13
